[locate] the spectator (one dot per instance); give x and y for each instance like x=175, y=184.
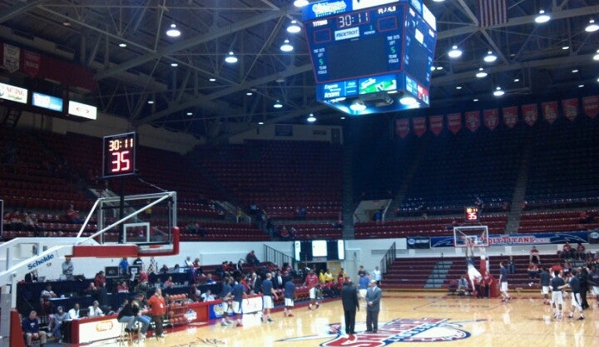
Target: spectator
x=94, y=310
x=31, y=329
x=139, y=262
x=209, y=279
x=123, y=287
x=48, y=293
x=124, y=267
x=31, y=277
x=68, y=268
x=567, y=251
x=511, y=266
x=72, y=215
x=158, y=309
x=255, y=284
x=534, y=256
x=361, y=271
x=101, y=295
x=99, y=279
x=30, y=224
x=195, y=294
x=56, y=323
x=74, y=312
x=131, y=313
x=533, y=270
x=252, y=259
x=207, y=296
x=188, y=262
x=168, y=283
x=376, y=275
x=164, y=269
x=153, y=267
x=580, y=251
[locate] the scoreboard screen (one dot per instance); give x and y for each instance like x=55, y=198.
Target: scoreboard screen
x=368, y=50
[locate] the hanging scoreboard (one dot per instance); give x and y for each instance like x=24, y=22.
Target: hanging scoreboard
x=371, y=56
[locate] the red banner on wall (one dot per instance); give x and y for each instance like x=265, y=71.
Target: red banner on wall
x=530, y=114
x=454, y=122
x=570, y=107
x=473, y=120
x=419, y=125
x=549, y=111
x=590, y=105
x=402, y=127
x=510, y=116
x=31, y=63
x=436, y=124
x=491, y=118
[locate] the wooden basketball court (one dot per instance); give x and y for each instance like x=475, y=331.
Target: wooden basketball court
x=430, y=319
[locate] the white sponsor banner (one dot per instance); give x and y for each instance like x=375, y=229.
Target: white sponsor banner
x=82, y=110
x=13, y=93
x=98, y=330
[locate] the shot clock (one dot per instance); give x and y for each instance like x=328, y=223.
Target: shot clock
x=119, y=155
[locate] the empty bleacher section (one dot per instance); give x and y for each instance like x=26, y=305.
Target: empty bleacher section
x=279, y=176
x=441, y=226
x=564, y=170
x=438, y=272
x=561, y=221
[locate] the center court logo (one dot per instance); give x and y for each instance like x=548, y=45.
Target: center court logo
x=398, y=330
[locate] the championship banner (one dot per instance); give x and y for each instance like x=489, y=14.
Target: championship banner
x=530, y=114
x=491, y=118
x=549, y=111
x=570, y=107
x=419, y=125
x=436, y=124
x=402, y=127
x=473, y=120
x=510, y=116
x=454, y=122
x=590, y=105
x=12, y=57
x=31, y=63
x=521, y=239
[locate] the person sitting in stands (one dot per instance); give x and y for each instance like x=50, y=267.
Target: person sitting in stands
x=48, y=293
x=31, y=277
x=72, y=215
x=462, y=285
x=252, y=259
x=94, y=310
x=56, y=324
x=168, y=283
x=207, y=296
x=567, y=251
x=534, y=256
x=99, y=279
x=164, y=269
x=31, y=329
x=122, y=287
x=533, y=270
x=209, y=279
x=74, y=312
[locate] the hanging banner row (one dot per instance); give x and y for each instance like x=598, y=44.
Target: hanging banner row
x=491, y=118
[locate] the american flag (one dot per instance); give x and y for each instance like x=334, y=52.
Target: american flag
x=492, y=12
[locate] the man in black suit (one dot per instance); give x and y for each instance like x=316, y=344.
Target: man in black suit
x=349, y=298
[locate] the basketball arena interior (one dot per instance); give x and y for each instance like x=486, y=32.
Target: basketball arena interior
x=165, y=130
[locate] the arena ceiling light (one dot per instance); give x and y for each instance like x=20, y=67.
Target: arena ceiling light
x=294, y=28
x=231, y=58
x=481, y=73
x=311, y=118
x=300, y=3
x=596, y=56
x=277, y=104
x=454, y=52
x=408, y=101
x=286, y=46
x=498, y=92
x=122, y=45
x=173, y=31
x=358, y=106
x=591, y=27
x=542, y=17
x=490, y=57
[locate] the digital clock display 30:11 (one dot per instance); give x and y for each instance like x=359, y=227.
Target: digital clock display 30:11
x=119, y=155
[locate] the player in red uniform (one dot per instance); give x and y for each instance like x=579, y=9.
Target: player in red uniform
x=312, y=282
